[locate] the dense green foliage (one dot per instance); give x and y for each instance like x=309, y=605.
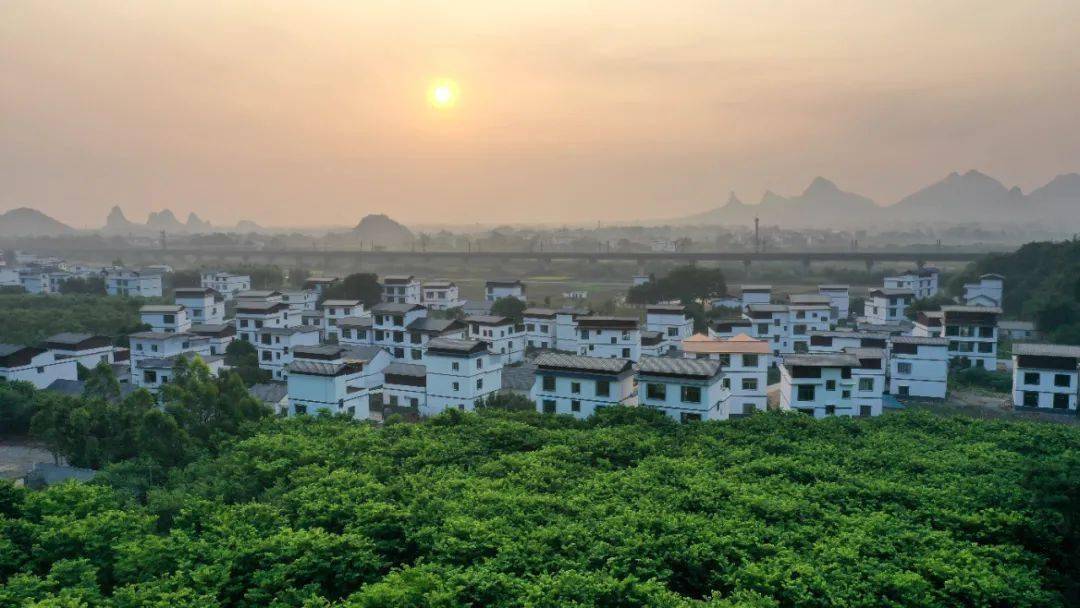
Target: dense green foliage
x=685, y=284
x=981, y=378
x=363, y=286
x=243, y=358
x=94, y=286
x=511, y=308
x=18, y=403
x=30, y=319
x=517, y=509
x=1042, y=283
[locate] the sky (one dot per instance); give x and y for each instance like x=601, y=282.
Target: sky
x=317, y=112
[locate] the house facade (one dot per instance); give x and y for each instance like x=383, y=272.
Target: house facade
x=918, y=366
x=402, y=289
x=441, y=294
x=887, y=305
x=609, y=337
x=460, y=374
x=1045, y=376
x=204, y=305
x=505, y=338
x=673, y=323
x=38, y=366
x=225, y=283
x=499, y=289
x=686, y=390
x=577, y=386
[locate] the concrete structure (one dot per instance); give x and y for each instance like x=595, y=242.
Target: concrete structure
x=335, y=379
x=218, y=335
x=226, y=283
x=404, y=330
x=130, y=283
x=744, y=362
x=460, y=374
x=770, y=322
x=441, y=294
x=276, y=345
x=684, y=389
x=922, y=283
x=989, y=291
x=807, y=313
x=37, y=366
x=539, y=327
x=972, y=335
x=609, y=337
x=300, y=300
x=755, y=294
x=204, y=304
x=887, y=305
x=256, y=313
x=165, y=318
x=918, y=366
x=839, y=300
x=827, y=384
x=402, y=289
x=578, y=386
x=1045, y=376
x=496, y=290
x=503, y=336
x=673, y=323
x=87, y=350
x=334, y=311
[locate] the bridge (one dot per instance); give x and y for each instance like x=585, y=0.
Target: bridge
x=345, y=258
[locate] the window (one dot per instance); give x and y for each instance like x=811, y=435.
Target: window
x=626, y=353
x=549, y=406
x=688, y=417
x=866, y=384
x=903, y=391
x=763, y=328
x=455, y=366
x=585, y=334
x=903, y=368
x=479, y=383
x=455, y=387
x=1031, y=378
x=750, y=360
x=575, y=406
x=417, y=354
x=672, y=332
x=1031, y=399
x=691, y=394
x=393, y=400
x=603, y=388
x=830, y=410
x=479, y=364
x=656, y=391
x=575, y=387
x=549, y=383
x=986, y=347
x=40, y=370
x=1061, y=401
x=830, y=385
x=1062, y=380
x=749, y=384
x=723, y=358
x=986, y=332
x=845, y=394
x=805, y=392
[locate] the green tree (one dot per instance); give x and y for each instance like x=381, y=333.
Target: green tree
x=362, y=286
x=243, y=358
x=511, y=308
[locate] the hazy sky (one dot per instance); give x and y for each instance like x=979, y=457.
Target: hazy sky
x=315, y=112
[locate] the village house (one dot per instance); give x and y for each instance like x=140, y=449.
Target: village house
x=684, y=389
x=807, y=313
x=887, y=305
x=539, y=327
x=1018, y=331
x=755, y=294
x=131, y=283
x=460, y=374
x=276, y=345
x=841, y=340
x=499, y=289
x=34, y=281
x=771, y=323
x=505, y=338
x=672, y=321
x=356, y=331
x=256, y=310
x=1045, y=376
x=300, y=300
x=839, y=300
x=653, y=344
x=151, y=373
x=405, y=385
x=203, y=304
x=225, y=283
x=165, y=318
x=922, y=283
x=827, y=384
x=609, y=337
x=405, y=330
x=38, y=366
x=219, y=335
x=918, y=366
x=320, y=284
x=333, y=311
x=578, y=385
x=441, y=294
x=989, y=291
x=402, y=289
x=744, y=362
x=972, y=335
x=335, y=379
x=85, y=349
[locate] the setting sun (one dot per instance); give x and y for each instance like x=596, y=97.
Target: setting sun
x=443, y=93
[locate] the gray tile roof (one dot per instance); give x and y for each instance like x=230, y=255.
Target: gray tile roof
x=666, y=366
x=316, y=368
x=808, y=299
x=394, y=307
x=456, y=345
x=69, y=338
x=346, y=303
x=962, y=308
x=767, y=307
x=488, y=320
x=850, y=334
x=919, y=340
x=821, y=360
x=161, y=335
x=581, y=363
x=355, y=322
x=406, y=369
x=545, y=313
x=162, y=308
x=755, y=287
x=1046, y=350
x=890, y=291
x=518, y=377
x=288, y=331
x=269, y=392
x=435, y=326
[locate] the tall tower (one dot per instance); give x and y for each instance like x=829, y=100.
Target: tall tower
x=757, y=236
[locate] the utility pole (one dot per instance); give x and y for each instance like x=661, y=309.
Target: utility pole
x=757, y=236
x=164, y=242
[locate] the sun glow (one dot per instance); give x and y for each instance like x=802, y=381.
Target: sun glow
x=443, y=94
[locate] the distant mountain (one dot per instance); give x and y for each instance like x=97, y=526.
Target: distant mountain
x=970, y=197
x=164, y=220
x=244, y=226
x=31, y=222
x=117, y=223
x=1060, y=198
x=822, y=204
x=197, y=224
x=382, y=231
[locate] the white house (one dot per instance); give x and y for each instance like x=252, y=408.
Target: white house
x=653, y=344
x=839, y=341
x=275, y=347
x=1045, y=376
x=204, y=305
x=609, y=337
x=771, y=322
x=755, y=294
x=972, y=335
x=807, y=312
x=335, y=379
x=356, y=331
x=402, y=289
x=320, y=284
x=826, y=385
x=253, y=315
x=226, y=283
x=151, y=373
x=673, y=323
x=218, y=335
x=441, y=294
x=404, y=330
x=918, y=366
x=405, y=385
x=839, y=299
x=887, y=305
x=578, y=386
x=922, y=283
x=9, y=277
x=159, y=345
x=744, y=362
x=1017, y=330
x=335, y=310
x=165, y=318
x=729, y=328
x=34, y=280
x=989, y=291
x=123, y=282
x=460, y=373
x=684, y=389
x=504, y=337
x=37, y=366
x=539, y=327
x=86, y=349
x=566, y=329
x=499, y=289
x=300, y=300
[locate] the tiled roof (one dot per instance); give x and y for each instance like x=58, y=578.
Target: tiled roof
x=355, y=322
x=755, y=287
x=545, y=313
x=927, y=340
x=767, y=307
x=162, y=308
x=821, y=360
x=436, y=326
x=581, y=363
x=488, y=320
x=808, y=299
x=69, y=338
x=976, y=309
x=1046, y=350
x=456, y=345
x=406, y=369
x=666, y=366
x=518, y=377
x=346, y=303
x=393, y=307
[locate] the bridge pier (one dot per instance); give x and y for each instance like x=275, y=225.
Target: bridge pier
x=869, y=264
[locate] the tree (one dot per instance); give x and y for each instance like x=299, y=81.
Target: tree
x=511, y=308
x=86, y=286
x=18, y=404
x=101, y=383
x=298, y=276
x=362, y=286
x=243, y=358
x=686, y=284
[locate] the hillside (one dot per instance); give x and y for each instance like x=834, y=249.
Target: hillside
x=382, y=231
x=629, y=509
x=31, y=222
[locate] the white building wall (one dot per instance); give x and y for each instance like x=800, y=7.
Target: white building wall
x=620, y=392
x=926, y=375
x=1044, y=386
x=610, y=343
x=43, y=370
x=473, y=379
x=675, y=327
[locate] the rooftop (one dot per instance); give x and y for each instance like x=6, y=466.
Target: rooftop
x=667, y=366
x=560, y=361
x=919, y=340
x=71, y=338
x=803, y=299
x=994, y=310
x=161, y=308
x=340, y=303
x=489, y=320
x=821, y=360
x=1046, y=350
x=456, y=345
x=395, y=308
x=755, y=287
x=740, y=344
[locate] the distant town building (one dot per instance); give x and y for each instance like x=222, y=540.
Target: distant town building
x=226, y=283
x=402, y=289
x=839, y=300
x=499, y=289
x=918, y=366
x=1045, y=376
x=989, y=291
x=887, y=305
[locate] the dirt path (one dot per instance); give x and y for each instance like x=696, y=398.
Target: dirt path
x=18, y=456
